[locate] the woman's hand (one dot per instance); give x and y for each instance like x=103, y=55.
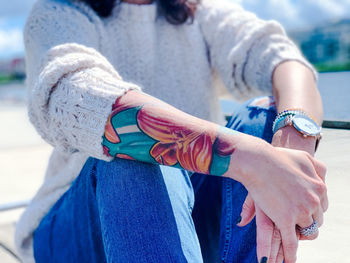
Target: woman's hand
x=288, y=185
x=269, y=241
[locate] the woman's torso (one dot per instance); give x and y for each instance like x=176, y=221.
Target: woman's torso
x=169, y=62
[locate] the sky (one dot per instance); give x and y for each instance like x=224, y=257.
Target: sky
x=296, y=14
x=293, y=14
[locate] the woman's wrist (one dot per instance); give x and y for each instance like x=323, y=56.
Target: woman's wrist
x=248, y=155
x=289, y=137
x=251, y=153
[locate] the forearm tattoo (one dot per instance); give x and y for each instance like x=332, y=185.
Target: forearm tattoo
x=142, y=133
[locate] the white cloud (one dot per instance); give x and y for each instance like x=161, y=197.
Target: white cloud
x=11, y=42
x=299, y=13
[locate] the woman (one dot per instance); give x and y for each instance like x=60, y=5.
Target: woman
x=87, y=62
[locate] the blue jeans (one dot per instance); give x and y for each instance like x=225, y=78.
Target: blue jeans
x=127, y=211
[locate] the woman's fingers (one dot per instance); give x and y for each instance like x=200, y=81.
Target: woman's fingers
x=264, y=231
x=323, y=197
x=324, y=203
x=289, y=243
x=313, y=237
x=248, y=211
x=320, y=168
x=280, y=256
x=310, y=221
x=290, y=190
x=276, y=246
x=322, y=190
x=307, y=237
x=319, y=219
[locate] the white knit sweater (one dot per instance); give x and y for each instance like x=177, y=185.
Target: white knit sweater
x=78, y=65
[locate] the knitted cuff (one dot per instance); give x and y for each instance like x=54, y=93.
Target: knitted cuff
x=73, y=97
x=79, y=109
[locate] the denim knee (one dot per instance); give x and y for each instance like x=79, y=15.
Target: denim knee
x=255, y=117
x=157, y=198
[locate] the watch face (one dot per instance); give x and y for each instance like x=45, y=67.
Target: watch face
x=306, y=125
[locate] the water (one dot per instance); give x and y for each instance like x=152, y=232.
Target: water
x=335, y=93
x=334, y=89
x=12, y=94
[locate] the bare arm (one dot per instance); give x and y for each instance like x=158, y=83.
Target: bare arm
x=295, y=87
x=146, y=129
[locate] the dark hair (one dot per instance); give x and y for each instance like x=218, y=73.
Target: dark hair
x=175, y=11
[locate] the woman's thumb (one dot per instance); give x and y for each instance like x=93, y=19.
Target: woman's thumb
x=248, y=212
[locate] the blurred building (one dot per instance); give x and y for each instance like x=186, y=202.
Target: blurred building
x=13, y=67
x=325, y=45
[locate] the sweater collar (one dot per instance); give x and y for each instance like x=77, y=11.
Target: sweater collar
x=134, y=12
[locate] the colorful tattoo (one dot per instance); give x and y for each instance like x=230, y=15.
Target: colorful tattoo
x=145, y=133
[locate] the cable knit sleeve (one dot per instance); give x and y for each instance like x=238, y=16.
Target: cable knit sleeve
x=72, y=87
x=243, y=49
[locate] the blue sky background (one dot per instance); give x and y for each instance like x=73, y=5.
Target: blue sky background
x=293, y=14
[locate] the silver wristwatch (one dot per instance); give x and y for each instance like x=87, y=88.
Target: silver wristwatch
x=302, y=123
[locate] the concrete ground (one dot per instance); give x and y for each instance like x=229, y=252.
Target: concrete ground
x=23, y=158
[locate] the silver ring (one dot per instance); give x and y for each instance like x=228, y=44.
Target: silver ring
x=310, y=230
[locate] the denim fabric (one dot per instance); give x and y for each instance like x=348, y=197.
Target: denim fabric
x=127, y=211
x=121, y=211
x=218, y=201
x=238, y=244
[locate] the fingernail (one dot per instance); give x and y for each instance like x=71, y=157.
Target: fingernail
x=239, y=219
x=263, y=260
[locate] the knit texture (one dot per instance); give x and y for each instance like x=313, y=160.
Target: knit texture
x=78, y=65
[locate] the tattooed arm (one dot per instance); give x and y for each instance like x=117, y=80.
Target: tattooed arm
x=145, y=129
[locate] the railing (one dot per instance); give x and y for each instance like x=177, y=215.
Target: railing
x=13, y=205
x=8, y=207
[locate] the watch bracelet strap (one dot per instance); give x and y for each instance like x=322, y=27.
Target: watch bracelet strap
x=280, y=122
x=281, y=118
x=299, y=111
